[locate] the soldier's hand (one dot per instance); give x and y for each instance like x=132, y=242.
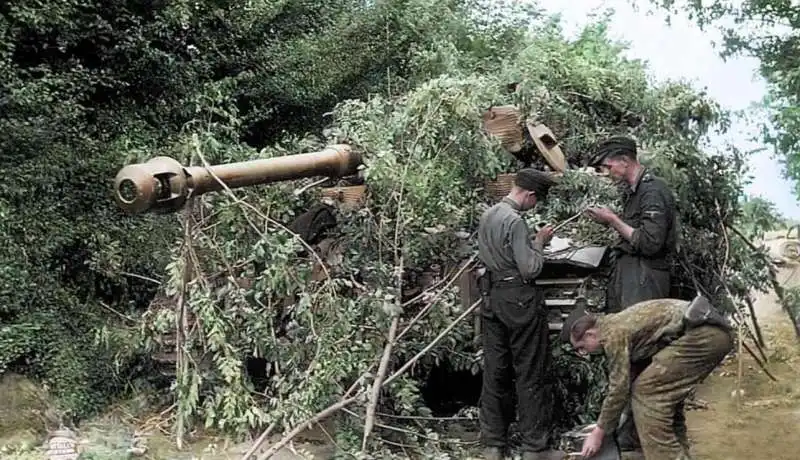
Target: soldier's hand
x=601, y=215
x=593, y=443
x=545, y=234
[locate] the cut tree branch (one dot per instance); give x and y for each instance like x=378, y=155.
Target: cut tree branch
x=332, y=409
x=779, y=291
x=372, y=403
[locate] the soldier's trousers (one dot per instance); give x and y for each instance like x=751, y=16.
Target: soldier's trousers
x=633, y=281
x=660, y=390
x=515, y=360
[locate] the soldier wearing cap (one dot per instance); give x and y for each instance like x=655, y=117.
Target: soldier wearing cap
x=514, y=322
x=683, y=341
x=647, y=230
x=647, y=226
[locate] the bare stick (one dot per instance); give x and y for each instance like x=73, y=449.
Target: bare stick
x=259, y=441
x=435, y=341
x=760, y=363
x=754, y=319
x=741, y=325
x=330, y=410
x=740, y=370
x=181, y=366
x=773, y=279
x=141, y=277
x=436, y=296
x=121, y=315
x=447, y=283
x=562, y=224
x=302, y=190
x=376, y=386
x=372, y=403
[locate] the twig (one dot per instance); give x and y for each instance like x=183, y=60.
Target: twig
x=333, y=441
x=562, y=224
x=750, y=333
x=376, y=386
x=761, y=364
x=180, y=362
x=424, y=418
x=756, y=327
x=741, y=340
x=740, y=328
x=259, y=441
x=141, y=277
x=773, y=279
x=301, y=190
x=740, y=369
x=325, y=413
x=448, y=282
x=432, y=302
x=411, y=432
x=435, y=341
x=332, y=409
x=372, y=403
x=121, y=315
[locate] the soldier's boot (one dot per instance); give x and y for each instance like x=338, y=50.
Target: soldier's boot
x=679, y=424
x=543, y=455
x=493, y=453
x=627, y=437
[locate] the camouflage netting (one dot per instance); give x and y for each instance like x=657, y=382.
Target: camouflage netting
x=258, y=299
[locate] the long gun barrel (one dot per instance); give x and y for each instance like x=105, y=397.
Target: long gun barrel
x=162, y=184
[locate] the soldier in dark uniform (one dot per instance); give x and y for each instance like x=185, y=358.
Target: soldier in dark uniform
x=514, y=322
x=684, y=344
x=647, y=230
x=647, y=226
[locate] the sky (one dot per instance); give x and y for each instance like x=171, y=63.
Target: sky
x=682, y=51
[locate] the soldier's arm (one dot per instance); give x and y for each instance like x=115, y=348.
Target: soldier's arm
x=528, y=255
x=619, y=384
x=650, y=236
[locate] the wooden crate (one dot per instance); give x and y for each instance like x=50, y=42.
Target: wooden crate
x=350, y=197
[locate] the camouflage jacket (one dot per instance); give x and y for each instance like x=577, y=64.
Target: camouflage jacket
x=632, y=335
x=505, y=245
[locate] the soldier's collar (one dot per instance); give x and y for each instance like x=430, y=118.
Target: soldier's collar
x=602, y=327
x=514, y=205
x=638, y=180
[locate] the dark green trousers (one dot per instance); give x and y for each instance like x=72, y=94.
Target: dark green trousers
x=515, y=361
x=633, y=280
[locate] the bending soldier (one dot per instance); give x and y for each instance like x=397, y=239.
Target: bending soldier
x=647, y=239
x=684, y=342
x=514, y=322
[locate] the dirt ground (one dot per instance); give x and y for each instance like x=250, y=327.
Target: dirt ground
x=763, y=424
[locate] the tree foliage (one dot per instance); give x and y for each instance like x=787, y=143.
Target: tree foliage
x=759, y=215
x=426, y=163
x=769, y=31
x=88, y=87
x=263, y=331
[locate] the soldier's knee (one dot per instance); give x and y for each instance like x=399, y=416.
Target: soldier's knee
x=497, y=373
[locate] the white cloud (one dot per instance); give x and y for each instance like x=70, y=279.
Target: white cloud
x=682, y=51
